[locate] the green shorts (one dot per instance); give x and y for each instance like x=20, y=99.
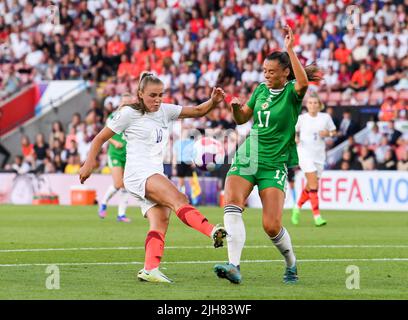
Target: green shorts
x=116, y=161
x=274, y=176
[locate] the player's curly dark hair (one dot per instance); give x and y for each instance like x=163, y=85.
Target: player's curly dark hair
x=312, y=71
x=145, y=78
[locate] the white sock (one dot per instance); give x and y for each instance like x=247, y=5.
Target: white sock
x=284, y=244
x=235, y=228
x=109, y=194
x=123, y=202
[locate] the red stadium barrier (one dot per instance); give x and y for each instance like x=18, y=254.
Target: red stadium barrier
x=20, y=109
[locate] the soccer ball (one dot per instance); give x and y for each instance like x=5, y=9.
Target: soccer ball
x=208, y=154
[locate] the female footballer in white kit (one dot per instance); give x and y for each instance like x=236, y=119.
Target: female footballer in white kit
x=145, y=125
x=312, y=127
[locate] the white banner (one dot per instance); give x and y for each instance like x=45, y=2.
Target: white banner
x=353, y=190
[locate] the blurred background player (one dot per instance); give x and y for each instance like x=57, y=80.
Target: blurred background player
x=146, y=125
x=116, y=161
x=312, y=127
x=183, y=155
x=291, y=181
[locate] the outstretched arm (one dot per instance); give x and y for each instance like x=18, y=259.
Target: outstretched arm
x=90, y=162
x=217, y=96
x=300, y=74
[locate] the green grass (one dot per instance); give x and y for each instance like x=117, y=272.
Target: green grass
x=322, y=273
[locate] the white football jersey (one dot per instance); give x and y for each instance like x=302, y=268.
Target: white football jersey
x=311, y=145
x=146, y=136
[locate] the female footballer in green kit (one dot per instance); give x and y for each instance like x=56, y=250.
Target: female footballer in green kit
x=116, y=161
x=265, y=155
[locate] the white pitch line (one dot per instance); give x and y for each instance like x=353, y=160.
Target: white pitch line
x=198, y=262
x=198, y=247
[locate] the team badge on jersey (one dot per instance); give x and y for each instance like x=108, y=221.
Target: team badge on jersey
x=265, y=105
x=116, y=116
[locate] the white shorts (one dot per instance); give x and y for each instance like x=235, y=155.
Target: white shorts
x=308, y=165
x=137, y=188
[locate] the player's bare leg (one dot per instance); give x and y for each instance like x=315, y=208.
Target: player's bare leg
x=272, y=209
x=161, y=190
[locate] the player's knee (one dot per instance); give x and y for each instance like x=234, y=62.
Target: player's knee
x=118, y=185
x=179, y=200
x=272, y=228
x=235, y=200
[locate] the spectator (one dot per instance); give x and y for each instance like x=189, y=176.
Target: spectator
x=392, y=133
x=95, y=113
x=351, y=159
x=250, y=76
x=27, y=148
x=336, y=121
x=112, y=98
x=388, y=112
x=362, y=78
x=59, y=164
x=41, y=149
x=10, y=83
x=353, y=146
x=394, y=73
x=367, y=159
x=48, y=166
x=401, y=147
x=381, y=150
x=402, y=164
x=75, y=121
x=20, y=165
x=390, y=161
x=374, y=137
x=57, y=133
x=341, y=53
x=73, y=165
x=360, y=51
x=347, y=127
x=345, y=165
x=331, y=80
x=344, y=78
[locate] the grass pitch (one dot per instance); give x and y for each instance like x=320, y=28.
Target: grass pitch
x=99, y=259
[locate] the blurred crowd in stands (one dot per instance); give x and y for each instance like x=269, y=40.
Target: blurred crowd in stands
x=193, y=45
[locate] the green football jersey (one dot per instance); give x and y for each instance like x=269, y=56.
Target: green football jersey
x=272, y=136
x=112, y=151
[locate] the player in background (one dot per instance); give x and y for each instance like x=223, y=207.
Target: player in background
x=312, y=127
x=291, y=182
x=145, y=125
x=263, y=158
x=116, y=162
